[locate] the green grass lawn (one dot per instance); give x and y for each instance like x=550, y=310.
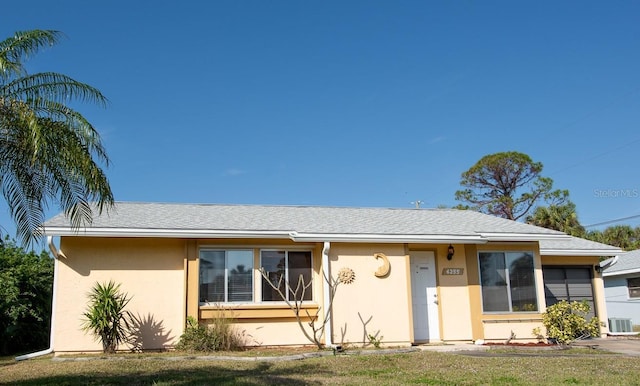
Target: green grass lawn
x=430, y=368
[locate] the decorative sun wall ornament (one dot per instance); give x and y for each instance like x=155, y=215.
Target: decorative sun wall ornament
x=386, y=266
x=346, y=275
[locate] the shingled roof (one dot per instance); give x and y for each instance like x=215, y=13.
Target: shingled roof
x=301, y=223
x=575, y=246
x=628, y=262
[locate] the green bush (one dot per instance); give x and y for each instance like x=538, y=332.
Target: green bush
x=26, y=282
x=221, y=335
x=106, y=317
x=566, y=322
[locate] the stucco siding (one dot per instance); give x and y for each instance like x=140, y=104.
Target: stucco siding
x=619, y=305
x=151, y=271
x=501, y=331
x=453, y=295
x=270, y=332
x=371, y=305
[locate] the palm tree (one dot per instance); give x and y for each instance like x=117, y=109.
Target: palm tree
x=562, y=217
x=623, y=236
x=49, y=152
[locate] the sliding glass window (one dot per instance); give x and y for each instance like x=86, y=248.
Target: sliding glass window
x=226, y=276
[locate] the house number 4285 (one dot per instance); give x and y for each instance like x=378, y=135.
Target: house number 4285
x=452, y=271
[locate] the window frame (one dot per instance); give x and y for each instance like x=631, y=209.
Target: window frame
x=570, y=285
x=635, y=288
x=287, y=273
x=226, y=275
x=508, y=282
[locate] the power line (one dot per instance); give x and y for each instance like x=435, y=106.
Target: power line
x=612, y=102
x=600, y=155
x=612, y=221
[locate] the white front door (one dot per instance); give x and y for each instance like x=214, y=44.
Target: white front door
x=424, y=297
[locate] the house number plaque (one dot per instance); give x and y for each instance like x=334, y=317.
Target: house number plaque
x=452, y=271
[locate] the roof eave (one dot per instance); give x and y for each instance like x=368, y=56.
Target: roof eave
x=480, y=238
x=620, y=273
x=578, y=252
x=501, y=236
x=164, y=233
x=243, y=234
x=386, y=238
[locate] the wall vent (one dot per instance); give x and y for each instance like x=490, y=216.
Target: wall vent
x=620, y=325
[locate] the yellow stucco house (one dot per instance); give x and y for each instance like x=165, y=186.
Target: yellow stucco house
x=415, y=275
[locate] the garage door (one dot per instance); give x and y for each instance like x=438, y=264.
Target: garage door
x=570, y=284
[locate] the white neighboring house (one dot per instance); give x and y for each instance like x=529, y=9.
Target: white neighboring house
x=622, y=289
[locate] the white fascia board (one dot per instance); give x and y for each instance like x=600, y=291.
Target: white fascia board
x=578, y=252
x=386, y=238
x=491, y=236
x=620, y=273
x=167, y=233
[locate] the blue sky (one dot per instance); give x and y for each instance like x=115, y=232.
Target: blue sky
x=356, y=103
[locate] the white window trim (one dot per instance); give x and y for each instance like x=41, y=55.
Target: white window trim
x=629, y=297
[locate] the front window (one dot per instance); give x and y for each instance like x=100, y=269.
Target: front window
x=508, y=282
x=287, y=273
x=634, y=287
x=226, y=276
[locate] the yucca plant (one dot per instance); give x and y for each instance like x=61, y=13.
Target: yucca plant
x=106, y=317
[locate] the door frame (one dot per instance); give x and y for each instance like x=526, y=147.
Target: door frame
x=433, y=309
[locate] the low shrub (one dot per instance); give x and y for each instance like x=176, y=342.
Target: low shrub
x=221, y=335
x=566, y=322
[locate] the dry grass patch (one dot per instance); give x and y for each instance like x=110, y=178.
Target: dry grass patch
x=389, y=369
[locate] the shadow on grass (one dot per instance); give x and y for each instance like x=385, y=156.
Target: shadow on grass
x=7, y=362
x=262, y=373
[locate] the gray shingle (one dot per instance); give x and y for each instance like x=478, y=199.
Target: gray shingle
x=576, y=244
x=302, y=219
x=627, y=261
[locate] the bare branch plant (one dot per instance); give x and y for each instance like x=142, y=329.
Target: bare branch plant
x=283, y=287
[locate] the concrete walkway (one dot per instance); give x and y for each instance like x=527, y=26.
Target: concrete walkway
x=621, y=345
x=625, y=346
x=454, y=347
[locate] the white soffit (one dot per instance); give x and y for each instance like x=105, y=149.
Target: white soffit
x=578, y=252
x=186, y=233
x=620, y=273
x=295, y=236
x=433, y=239
x=493, y=236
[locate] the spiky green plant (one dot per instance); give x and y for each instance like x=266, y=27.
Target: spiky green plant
x=49, y=152
x=106, y=317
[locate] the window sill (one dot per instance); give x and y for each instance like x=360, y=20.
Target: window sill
x=255, y=311
x=519, y=317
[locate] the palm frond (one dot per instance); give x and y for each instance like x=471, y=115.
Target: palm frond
x=14, y=50
x=51, y=86
x=75, y=177
x=49, y=152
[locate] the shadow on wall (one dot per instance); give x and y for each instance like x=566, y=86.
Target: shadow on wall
x=149, y=334
x=368, y=339
x=128, y=254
